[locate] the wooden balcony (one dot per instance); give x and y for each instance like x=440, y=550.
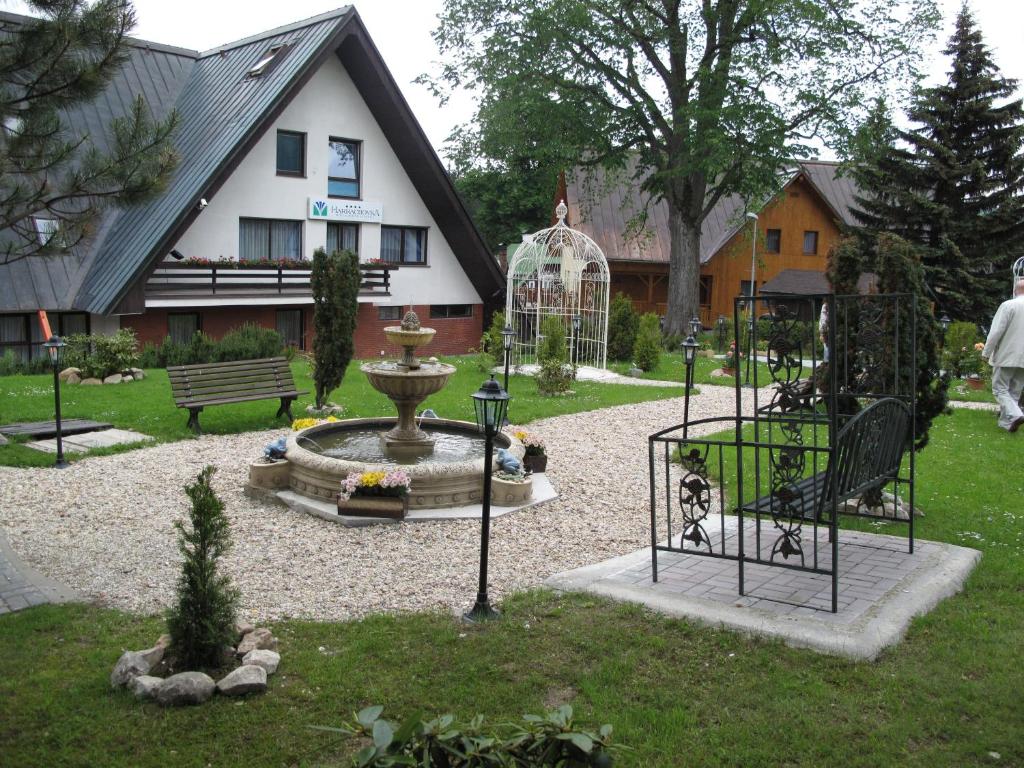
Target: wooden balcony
x=172, y=281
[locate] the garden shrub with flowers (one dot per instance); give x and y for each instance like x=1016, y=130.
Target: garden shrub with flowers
x=307, y=423
x=534, y=444
x=733, y=357
x=394, y=483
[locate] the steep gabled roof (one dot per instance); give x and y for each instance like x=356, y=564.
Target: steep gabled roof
x=224, y=112
x=604, y=212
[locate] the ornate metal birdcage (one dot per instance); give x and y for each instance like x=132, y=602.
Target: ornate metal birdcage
x=559, y=272
x=1018, y=273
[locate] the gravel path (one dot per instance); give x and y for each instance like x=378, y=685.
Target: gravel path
x=105, y=526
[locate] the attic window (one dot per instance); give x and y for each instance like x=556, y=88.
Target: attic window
x=266, y=61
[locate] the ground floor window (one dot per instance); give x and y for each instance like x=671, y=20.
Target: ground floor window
x=403, y=245
x=182, y=326
x=269, y=239
x=15, y=336
x=342, y=237
x=22, y=336
x=389, y=313
x=444, y=311
x=73, y=322
x=289, y=325
x=706, y=282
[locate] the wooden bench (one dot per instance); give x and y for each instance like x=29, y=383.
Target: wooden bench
x=868, y=453
x=198, y=386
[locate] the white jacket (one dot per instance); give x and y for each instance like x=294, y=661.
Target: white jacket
x=1004, y=347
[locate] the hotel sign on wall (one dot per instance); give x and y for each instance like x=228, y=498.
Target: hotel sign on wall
x=325, y=209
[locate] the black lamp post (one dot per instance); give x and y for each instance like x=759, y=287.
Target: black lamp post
x=721, y=326
x=751, y=347
x=55, y=349
x=507, y=335
x=944, y=322
x=695, y=326
x=489, y=403
x=690, y=347
x=576, y=325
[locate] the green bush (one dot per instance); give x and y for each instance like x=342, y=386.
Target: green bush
x=555, y=375
x=492, y=348
x=100, y=355
x=552, y=740
x=623, y=324
x=959, y=356
x=11, y=364
x=647, y=348
x=250, y=342
x=202, y=620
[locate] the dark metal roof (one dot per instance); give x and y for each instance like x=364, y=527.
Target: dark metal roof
x=223, y=114
x=797, y=281
x=603, y=211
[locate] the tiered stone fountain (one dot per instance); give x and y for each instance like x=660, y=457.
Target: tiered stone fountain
x=443, y=457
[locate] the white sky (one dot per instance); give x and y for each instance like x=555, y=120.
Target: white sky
x=401, y=30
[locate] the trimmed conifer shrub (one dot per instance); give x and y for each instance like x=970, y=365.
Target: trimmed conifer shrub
x=334, y=281
x=202, y=620
x=623, y=324
x=647, y=348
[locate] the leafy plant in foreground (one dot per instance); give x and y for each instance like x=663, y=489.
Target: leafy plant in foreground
x=549, y=740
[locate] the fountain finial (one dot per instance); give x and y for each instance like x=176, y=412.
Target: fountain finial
x=561, y=211
x=411, y=321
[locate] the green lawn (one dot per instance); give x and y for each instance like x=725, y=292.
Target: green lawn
x=670, y=368
x=948, y=695
x=146, y=406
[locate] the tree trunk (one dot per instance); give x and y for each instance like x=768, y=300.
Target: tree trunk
x=683, y=273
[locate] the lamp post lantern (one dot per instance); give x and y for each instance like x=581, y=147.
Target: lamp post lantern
x=507, y=336
x=489, y=405
x=720, y=325
x=690, y=347
x=54, y=347
x=695, y=326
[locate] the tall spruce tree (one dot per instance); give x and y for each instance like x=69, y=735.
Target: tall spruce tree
x=953, y=184
x=334, y=282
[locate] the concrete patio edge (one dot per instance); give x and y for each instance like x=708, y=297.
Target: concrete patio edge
x=885, y=624
x=53, y=591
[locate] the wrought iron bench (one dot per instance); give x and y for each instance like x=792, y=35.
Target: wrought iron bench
x=198, y=386
x=868, y=453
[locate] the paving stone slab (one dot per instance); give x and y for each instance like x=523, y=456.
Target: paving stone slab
x=43, y=429
x=89, y=440
x=790, y=605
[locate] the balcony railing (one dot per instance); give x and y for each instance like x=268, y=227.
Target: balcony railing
x=178, y=281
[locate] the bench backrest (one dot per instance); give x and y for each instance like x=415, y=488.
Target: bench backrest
x=869, y=449
x=241, y=378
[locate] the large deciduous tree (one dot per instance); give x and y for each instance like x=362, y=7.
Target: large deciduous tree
x=55, y=178
x=954, y=183
x=697, y=99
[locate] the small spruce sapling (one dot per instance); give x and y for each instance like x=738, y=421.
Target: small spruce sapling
x=201, y=623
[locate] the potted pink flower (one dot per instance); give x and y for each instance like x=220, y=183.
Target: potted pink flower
x=535, y=458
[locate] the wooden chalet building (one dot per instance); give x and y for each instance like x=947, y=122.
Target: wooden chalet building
x=292, y=140
x=795, y=231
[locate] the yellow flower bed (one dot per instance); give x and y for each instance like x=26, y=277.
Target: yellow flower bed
x=307, y=423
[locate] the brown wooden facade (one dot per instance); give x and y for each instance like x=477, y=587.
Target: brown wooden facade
x=798, y=209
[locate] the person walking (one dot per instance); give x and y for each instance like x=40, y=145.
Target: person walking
x=1004, y=351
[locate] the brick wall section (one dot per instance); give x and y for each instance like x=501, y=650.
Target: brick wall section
x=455, y=336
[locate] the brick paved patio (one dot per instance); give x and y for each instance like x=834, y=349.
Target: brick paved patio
x=881, y=588
x=22, y=587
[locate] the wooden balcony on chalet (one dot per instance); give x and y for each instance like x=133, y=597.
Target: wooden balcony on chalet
x=172, y=282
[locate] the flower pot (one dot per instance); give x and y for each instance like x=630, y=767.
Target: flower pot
x=506, y=493
x=535, y=463
x=272, y=475
x=728, y=371
x=391, y=507
x=976, y=383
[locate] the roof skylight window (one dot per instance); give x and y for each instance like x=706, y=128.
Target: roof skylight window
x=265, y=61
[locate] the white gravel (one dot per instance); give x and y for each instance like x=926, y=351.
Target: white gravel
x=105, y=525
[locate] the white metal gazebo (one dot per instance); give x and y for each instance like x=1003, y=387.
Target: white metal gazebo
x=562, y=272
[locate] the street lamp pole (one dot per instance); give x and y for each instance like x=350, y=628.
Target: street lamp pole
x=750, y=322
x=489, y=404
x=507, y=335
x=54, y=347
x=689, y=356
x=577, y=323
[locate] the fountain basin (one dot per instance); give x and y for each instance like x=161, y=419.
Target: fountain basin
x=443, y=479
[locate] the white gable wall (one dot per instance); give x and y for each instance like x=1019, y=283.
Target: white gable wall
x=330, y=106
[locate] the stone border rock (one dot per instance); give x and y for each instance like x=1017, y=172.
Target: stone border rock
x=74, y=376
x=139, y=671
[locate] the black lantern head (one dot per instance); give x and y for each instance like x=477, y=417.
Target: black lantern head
x=690, y=347
x=695, y=326
x=489, y=403
x=944, y=321
x=507, y=334
x=721, y=321
x=55, y=349
x=576, y=323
